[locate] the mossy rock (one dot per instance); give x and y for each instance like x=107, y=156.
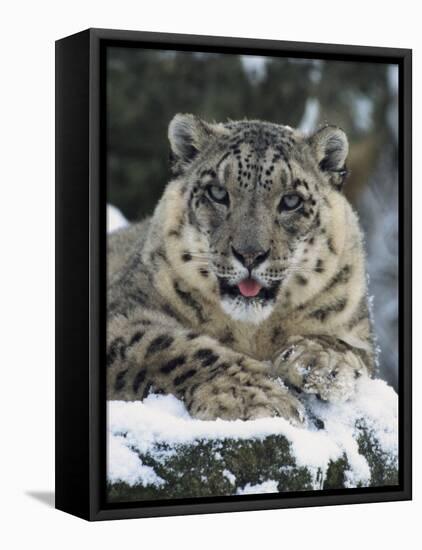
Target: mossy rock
x=209, y=468
x=157, y=451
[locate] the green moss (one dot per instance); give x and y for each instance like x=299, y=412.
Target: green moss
x=384, y=467
x=335, y=477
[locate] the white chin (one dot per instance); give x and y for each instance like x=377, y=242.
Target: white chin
x=241, y=310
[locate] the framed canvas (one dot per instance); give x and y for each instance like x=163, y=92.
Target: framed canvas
x=233, y=276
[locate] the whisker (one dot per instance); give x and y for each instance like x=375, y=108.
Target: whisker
x=310, y=270
x=200, y=257
x=224, y=276
x=199, y=262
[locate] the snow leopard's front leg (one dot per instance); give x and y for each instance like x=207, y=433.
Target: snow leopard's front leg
x=322, y=365
x=213, y=380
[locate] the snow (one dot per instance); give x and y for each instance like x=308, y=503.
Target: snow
x=363, y=107
x=230, y=476
x=310, y=117
x=269, y=486
x=393, y=77
x=378, y=209
x=136, y=428
x=115, y=219
x=255, y=66
x=393, y=109
x=124, y=465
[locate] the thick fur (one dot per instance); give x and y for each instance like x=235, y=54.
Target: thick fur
x=176, y=323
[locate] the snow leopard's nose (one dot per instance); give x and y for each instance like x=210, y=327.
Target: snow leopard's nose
x=250, y=257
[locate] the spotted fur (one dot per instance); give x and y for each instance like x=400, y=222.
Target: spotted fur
x=177, y=321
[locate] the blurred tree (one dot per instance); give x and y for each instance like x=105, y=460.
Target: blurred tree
x=145, y=88
x=282, y=94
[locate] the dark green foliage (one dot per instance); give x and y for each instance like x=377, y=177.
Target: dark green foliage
x=335, y=474
x=383, y=468
x=146, y=88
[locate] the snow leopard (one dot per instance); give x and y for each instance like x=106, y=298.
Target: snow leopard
x=246, y=289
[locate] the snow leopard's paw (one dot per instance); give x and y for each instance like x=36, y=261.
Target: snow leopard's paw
x=242, y=393
x=312, y=366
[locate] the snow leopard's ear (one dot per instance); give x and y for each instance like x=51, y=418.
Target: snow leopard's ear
x=331, y=147
x=188, y=134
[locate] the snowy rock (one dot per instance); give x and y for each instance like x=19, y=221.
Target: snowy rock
x=156, y=450
x=115, y=219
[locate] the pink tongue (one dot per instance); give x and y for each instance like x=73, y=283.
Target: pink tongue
x=249, y=287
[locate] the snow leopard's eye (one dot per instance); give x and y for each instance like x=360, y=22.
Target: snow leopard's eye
x=291, y=201
x=218, y=194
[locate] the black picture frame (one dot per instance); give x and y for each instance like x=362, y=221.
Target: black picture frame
x=81, y=273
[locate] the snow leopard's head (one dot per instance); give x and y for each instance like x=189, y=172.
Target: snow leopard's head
x=256, y=199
